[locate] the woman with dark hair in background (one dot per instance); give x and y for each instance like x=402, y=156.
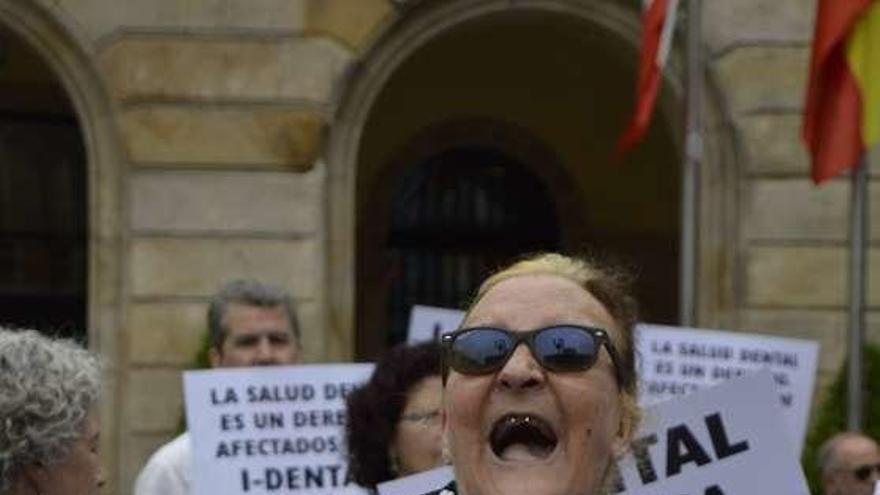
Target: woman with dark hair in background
x=393, y=426
x=48, y=416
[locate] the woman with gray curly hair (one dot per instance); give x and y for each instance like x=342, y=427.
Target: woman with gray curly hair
x=48, y=420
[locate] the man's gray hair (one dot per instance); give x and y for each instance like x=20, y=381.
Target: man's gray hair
x=47, y=388
x=827, y=456
x=251, y=293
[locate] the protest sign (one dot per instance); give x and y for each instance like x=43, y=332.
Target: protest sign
x=423, y=482
x=271, y=430
x=675, y=361
x=428, y=322
x=724, y=440
x=877, y=488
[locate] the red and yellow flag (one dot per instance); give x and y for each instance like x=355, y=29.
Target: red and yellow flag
x=842, y=110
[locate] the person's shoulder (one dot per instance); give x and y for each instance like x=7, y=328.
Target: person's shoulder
x=175, y=451
x=168, y=470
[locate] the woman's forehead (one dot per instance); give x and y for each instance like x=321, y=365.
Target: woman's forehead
x=528, y=301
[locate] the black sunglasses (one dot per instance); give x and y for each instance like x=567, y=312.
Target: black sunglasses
x=862, y=472
x=560, y=348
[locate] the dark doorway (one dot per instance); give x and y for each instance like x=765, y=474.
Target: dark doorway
x=43, y=198
x=456, y=217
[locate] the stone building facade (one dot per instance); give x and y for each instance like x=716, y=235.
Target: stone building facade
x=268, y=138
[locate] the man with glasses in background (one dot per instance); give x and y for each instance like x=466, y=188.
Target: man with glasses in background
x=249, y=324
x=850, y=464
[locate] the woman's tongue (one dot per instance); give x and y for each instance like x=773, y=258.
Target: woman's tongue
x=523, y=438
x=525, y=452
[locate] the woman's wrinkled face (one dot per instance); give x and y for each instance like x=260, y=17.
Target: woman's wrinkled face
x=523, y=429
x=417, y=444
x=80, y=473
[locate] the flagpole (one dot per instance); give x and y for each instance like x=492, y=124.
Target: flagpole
x=691, y=168
x=857, y=267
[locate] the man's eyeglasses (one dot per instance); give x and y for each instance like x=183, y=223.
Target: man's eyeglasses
x=421, y=417
x=560, y=348
x=862, y=473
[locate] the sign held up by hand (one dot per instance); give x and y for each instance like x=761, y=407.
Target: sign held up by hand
x=427, y=323
x=676, y=361
x=271, y=430
x=725, y=440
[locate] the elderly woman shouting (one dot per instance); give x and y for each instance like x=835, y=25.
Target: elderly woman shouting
x=539, y=382
x=48, y=423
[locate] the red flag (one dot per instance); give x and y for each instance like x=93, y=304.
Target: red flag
x=832, y=111
x=657, y=24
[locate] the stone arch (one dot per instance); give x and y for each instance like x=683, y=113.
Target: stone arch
x=47, y=29
x=522, y=152
x=408, y=34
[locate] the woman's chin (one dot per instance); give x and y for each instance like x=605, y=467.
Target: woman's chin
x=543, y=479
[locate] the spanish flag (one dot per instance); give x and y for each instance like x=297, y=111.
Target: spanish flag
x=842, y=109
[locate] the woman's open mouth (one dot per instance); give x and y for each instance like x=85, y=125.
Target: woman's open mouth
x=522, y=437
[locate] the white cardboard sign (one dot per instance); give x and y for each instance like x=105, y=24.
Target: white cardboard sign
x=428, y=322
x=271, y=430
x=877, y=488
x=424, y=482
x=725, y=440
x=675, y=361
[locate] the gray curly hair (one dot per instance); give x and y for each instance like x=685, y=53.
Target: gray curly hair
x=48, y=388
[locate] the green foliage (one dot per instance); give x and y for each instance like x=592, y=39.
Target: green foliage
x=201, y=362
x=202, y=359
x=830, y=418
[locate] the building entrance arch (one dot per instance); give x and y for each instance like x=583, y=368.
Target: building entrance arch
x=46, y=31
x=579, y=57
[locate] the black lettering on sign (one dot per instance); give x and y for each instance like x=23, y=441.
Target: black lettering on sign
x=296, y=478
x=616, y=480
x=280, y=393
x=720, y=442
x=727, y=372
x=781, y=379
x=658, y=347
x=228, y=396
x=274, y=479
x=338, y=390
x=318, y=417
x=647, y=473
x=245, y=481
x=691, y=370
x=664, y=368
x=268, y=420
x=713, y=490
x=681, y=448
x=231, y=422
x=786, y=399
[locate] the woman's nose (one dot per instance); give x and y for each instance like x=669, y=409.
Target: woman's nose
x=521, y=371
